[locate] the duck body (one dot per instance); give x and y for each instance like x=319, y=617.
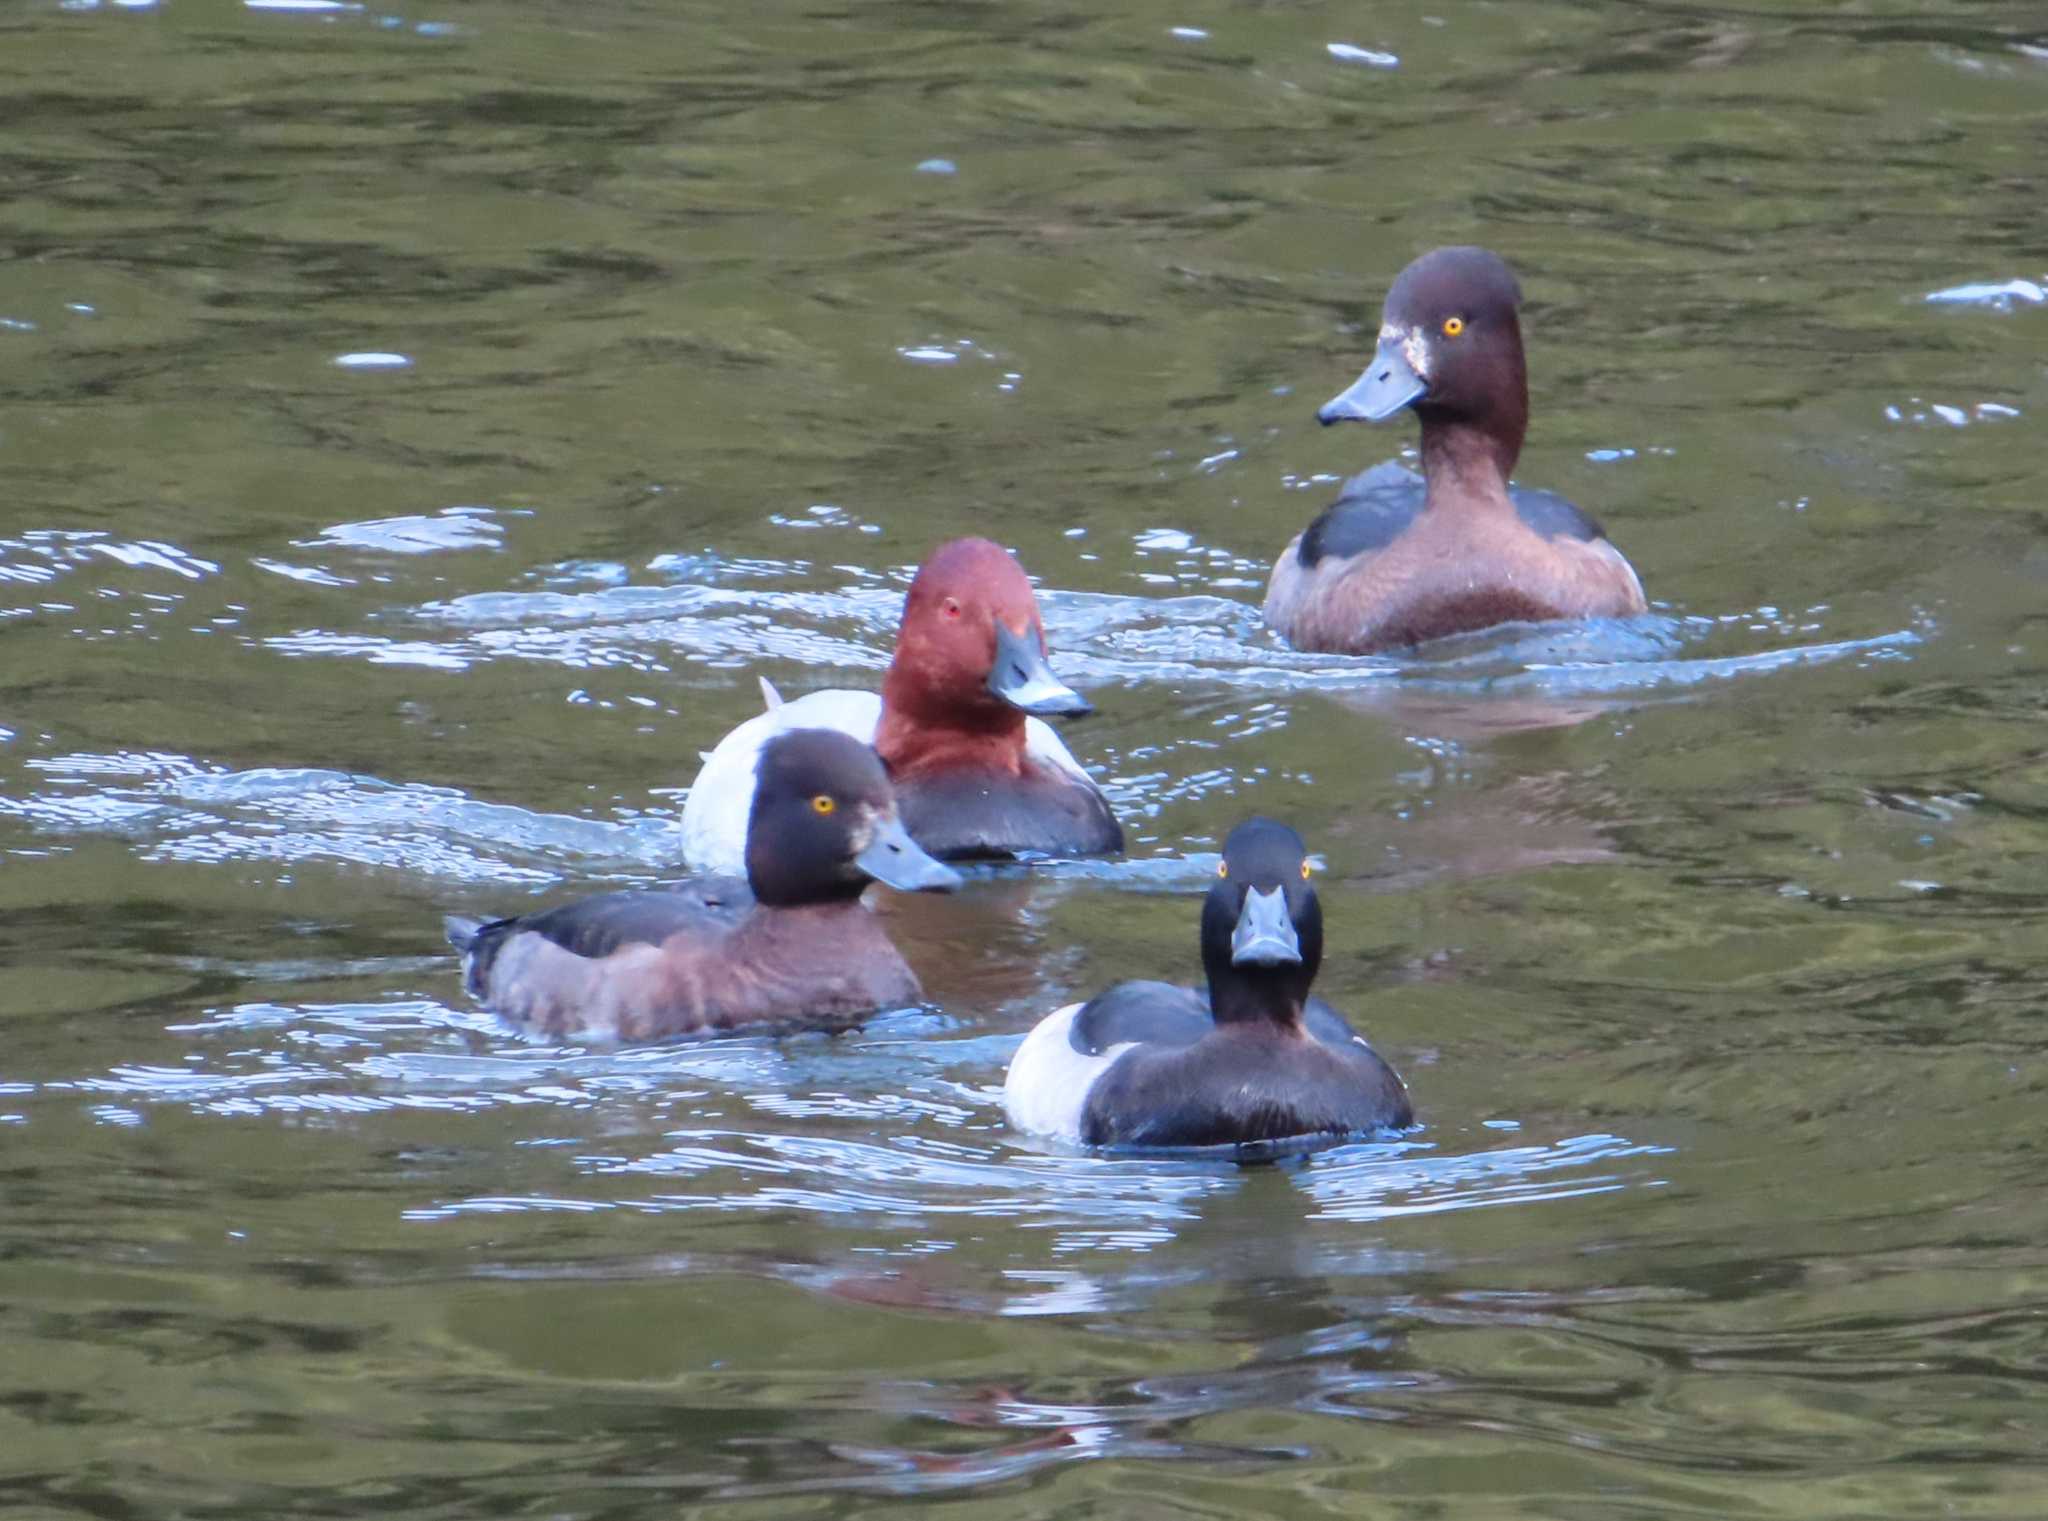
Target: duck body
x=1398, y=559
x=790, y=946
x=700, y=959
x=1251, y=1061
x=1375, y=572
x=1145, y=1065
x=959, y=724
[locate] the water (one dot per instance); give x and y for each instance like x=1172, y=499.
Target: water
x=421, y=427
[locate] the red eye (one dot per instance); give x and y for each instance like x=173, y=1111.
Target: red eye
x=950, y=608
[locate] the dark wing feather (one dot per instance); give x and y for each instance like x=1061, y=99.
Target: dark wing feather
x=1376, y=506
x=1326, y=1024
x=596, y=927
x=1549, y=514
x=1373, y=509
x=1152, y=1013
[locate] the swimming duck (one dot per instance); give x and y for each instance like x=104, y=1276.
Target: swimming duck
x=958, y=722
x=793, y=945
x=1254, y=1060
x=1395, y=559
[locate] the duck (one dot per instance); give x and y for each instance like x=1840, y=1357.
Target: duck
x=959, y=723
x=1398, y=559
x=1252, y=1062
x=790, y=947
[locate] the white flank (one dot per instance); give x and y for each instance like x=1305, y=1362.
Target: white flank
x=1047, y=1085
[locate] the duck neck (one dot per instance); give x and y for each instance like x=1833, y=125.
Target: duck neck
x=1469, y=453
x=798, y=925
x=925, y=729
x=1246, y=996
x=777, y=885
x=1465, y=462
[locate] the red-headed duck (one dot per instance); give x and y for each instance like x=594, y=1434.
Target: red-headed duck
x=1253, y=1062
x=793, y=946
x=1394, y=561
x=976, y=771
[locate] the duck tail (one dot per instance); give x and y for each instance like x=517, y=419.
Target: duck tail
x=478, y=941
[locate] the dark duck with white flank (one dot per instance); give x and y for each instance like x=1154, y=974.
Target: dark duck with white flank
x=791, y=947
x=1252, y=1062
x=1395, y=560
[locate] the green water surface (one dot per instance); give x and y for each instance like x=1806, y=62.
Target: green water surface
x=1711, y=948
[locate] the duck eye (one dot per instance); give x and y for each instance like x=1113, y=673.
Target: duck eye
x=950, y=607
x=1222, y=868
x=1453, y=326
x=1305, y=870
x=824, y=803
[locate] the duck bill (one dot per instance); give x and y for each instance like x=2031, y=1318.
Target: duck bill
x=895, y=860
x=1388, y=384
x=1265, y=935
x=1021, y=677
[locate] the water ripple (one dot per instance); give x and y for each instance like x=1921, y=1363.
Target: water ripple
x=1363, y=1183
x=1102, y=638
x=927, y=1142
x=190, y=812
x=453, y=528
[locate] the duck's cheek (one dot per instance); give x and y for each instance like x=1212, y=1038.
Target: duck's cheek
x=861, y=834
x=956, y=655
x=1415, y=349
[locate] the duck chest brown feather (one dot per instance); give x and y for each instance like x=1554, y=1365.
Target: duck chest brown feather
x=1446, y=573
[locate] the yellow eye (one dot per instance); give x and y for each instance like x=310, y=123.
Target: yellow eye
x=1304, y=871
x=824, y=803
x=1453, y=326
x=1222, y=868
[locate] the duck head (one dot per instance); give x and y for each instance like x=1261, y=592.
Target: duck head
x=1450, y=347
x=823, y=824
x=970, y=652
x=1262, y=926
